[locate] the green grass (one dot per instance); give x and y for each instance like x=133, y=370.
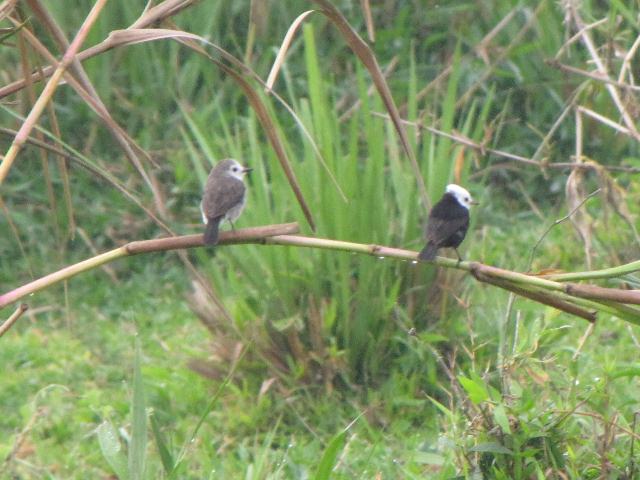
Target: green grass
x=315, y=374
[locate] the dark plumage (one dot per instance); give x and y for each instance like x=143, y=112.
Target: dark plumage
x=448, y=222
x=224, y=197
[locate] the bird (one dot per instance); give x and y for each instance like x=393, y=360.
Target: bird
x=448, y=222
x=224, y=197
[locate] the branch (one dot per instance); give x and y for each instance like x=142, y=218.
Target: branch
x=595, y=292
x=558, y=222
x=598, y=75
x=246, y=235
x=13, y=319
x=580, y=300
x=49, y=89
x=612, y=272
x=512, y=157
x=546, y=298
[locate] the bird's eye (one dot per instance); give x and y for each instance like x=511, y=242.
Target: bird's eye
x=466, y=199
x=235, y=169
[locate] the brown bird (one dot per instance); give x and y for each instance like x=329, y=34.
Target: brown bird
x=224, y=197
x=448, y=222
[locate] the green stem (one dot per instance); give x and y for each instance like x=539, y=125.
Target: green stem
x=595, y=274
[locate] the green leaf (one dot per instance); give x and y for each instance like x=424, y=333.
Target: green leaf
x=138, y=447
x=476, y=391
x=112, y=449
x=491, y=447
x=330, y=455
x=441, y=407
x=165, y=455
x=500, y=416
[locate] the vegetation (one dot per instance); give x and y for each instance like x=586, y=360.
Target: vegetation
x=264, y=361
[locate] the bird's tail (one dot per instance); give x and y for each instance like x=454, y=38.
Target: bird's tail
x=211, y=233
x=428, y=252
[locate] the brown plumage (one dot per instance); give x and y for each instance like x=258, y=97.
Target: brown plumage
x=224, y=197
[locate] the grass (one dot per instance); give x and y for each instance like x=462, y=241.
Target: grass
x=310, y=371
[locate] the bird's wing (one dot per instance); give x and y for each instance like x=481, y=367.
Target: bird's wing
x=222, y=196
x=440, y=229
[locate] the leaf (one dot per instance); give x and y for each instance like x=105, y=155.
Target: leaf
x=137, y=449
x=476, y=391
x=581, y=220
x=282, y=51
x=112, y=449
x=441, y=407
x=500, y=416
x=491, y=447
x=177, y=464
x=165, y=455
x=368, y=59
x=330, y=455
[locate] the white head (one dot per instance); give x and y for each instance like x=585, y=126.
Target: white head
x=230, y=167
x=461, y=195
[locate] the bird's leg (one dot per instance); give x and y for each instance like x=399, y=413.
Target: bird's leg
x=233, y=227
x=459, y=257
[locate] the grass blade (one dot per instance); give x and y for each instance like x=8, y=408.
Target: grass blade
x=165, y=454
x=330, y=456
x=138, y=447
x=206, y=412
x=366, y=56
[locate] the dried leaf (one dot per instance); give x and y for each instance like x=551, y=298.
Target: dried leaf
x=266, y=386
x=284, y=48
x=366, y=56
x=458, y=164
x=129, y=37
x=615, y=197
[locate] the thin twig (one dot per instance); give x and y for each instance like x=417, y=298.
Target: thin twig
x=576, y=36
x=22, y=437
x=558, y=222
x=483, y=149
x=13, y=318
x=626, y=64
x=48, y=90
x=593, y=51
x=594, y=76
x=568, y=108
x=150, y=17
x=480, y=49
x=612, y=272
x=582, y=341
x=607, y=121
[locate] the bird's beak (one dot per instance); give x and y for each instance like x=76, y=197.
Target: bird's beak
x=247, y=170
x=474, y=202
